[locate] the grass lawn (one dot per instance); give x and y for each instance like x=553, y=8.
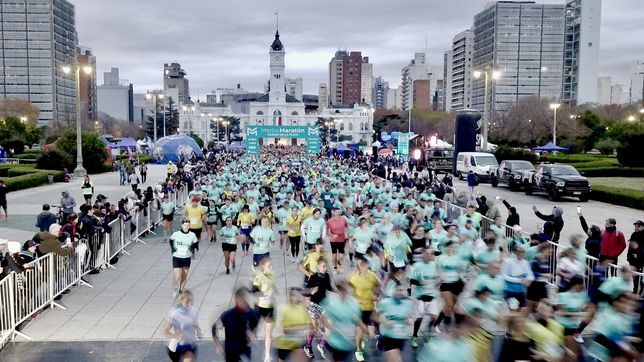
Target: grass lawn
x=631, y=183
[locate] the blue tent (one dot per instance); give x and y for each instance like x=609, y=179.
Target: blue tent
x=107, y=142
x=341, y=147
x=128, y=142
x=173, y=148
x=550, y=147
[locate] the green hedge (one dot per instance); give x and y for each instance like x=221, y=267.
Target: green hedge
x=20, y=171
x=618, y=196
x=579, y=158
x=32, y=180
x=613, y=172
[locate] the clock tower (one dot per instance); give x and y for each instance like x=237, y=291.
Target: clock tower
x=277, y=92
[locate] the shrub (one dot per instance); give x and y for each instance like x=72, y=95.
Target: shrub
x=19, y=171
x=54, y=158
x=630, y=152
x=94, y=154
x=18, y=146
x=607, y=146
x=508, y=153
x=618, y=196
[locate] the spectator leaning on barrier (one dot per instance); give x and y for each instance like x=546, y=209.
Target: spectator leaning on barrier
x=50, y=242
x=45, y=219
x=613, y=241
x=636, y=255
x=67, y=204
x=556, y=217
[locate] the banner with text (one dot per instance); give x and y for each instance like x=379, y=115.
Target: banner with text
x=310, y=133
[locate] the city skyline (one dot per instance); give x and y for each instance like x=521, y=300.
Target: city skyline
x=223, y=53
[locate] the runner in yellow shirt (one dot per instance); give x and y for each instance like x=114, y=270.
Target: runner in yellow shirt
x=295, y=323
x=197, y=216
x=294, y=225
x=366, y=288
x=245, y=221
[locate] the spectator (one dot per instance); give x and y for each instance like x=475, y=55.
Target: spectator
x=482, y=205
x=513, y=216
x=50, y=242
x=548, y=231
x=556, y=217
x=122, y=174
x=492, y=210
x=593, y=243
x=472, y=181
x=134, y=181
x=638, y=233
x=613, y=242
x=45, y=218
x=143, y=169
x=67, y=205
x=636, y=260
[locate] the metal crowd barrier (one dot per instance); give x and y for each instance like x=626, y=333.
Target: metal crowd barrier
x=23, y=295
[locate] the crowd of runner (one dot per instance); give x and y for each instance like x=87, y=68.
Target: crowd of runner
x=386, y=265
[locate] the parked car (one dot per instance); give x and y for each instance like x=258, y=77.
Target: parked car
x=478, y=162
x=440, y=159
x=512, y=173
x=558, y=180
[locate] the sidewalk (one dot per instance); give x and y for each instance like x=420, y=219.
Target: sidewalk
x=25, y=205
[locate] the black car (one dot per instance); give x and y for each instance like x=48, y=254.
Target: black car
x=511, y=173
x=558, y=180
x=440, y=159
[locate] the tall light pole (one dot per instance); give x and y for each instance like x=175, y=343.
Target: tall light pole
x=155, y=96
x=226, y=122
x=489, y=74
x=554, y=107
x=79, y=171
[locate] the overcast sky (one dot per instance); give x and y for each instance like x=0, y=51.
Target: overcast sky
x=221, y=43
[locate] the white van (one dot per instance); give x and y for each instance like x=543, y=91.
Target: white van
x=478, y=162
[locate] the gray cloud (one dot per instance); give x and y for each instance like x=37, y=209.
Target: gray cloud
x=222, y=43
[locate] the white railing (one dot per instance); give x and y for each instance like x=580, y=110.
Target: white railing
x=23, y=295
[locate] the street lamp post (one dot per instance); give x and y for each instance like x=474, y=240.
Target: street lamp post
x=489, y=74
x=554, y=107
x=155, y=96
x=226, y=123
x=79, y=171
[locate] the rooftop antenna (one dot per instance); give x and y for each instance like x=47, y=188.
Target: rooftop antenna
x=277, y=21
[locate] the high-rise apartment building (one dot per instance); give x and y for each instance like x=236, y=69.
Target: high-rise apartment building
x=524, y=41
x=294, y=87
x=345, y=78
x=393, y=98
x=417, y=69
x=458, y=72
x=323, y=96
x=175, y=77
x=366, y=81
x=604, y=85
x=581, y=52
x=116, y=96
x=37, y=39
x=379, y=94
x=619, y=94
x=88, y=97
x=637, y=82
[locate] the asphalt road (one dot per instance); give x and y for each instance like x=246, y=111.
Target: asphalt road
x=595, y=212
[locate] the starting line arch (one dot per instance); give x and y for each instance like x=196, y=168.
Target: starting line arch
x=310, y=133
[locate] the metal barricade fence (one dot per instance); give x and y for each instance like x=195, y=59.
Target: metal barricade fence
x=34, y=289
x=114, y=240
x=7, y=304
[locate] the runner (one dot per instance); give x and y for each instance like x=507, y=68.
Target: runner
x=182, y=244
x=239, y=324
x=337, y=227
x=282, y=214
x=366, y=287
x=424, y=281
x=313, y=228
x=88, y=190
x=196, y=215
x=294, y=225
x=395, y=313
x=343, y=317
x=295, y=323
x=264, y=284
x=230, y=237
x=262, y=237
x=318, y=284
x=182, y=326
x=246, y=221
x=167, y=214
x=211, y=220
x=450, y=269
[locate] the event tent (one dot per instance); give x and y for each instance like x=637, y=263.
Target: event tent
x=173, y=148
x=340, y=148
x=550, y=147
x=128, y=142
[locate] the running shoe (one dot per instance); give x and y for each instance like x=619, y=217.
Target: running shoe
x=227, y=271
x=438, y=330
x=293, y=260
x=321, y=350
x=359, y=356
x=414, y=342
x=309, y=351
x=578, y=338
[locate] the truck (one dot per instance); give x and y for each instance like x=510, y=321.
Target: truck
x=440, y=159
x=557, y=180
x=512, y=173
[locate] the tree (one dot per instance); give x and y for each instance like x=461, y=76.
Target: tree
x=607, y=146
x=171, y=118
x=94, y=153
x=197, y=139
x=19, y=108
